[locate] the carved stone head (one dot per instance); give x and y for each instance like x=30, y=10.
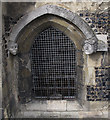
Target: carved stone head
x=13, y=48
x=89, y=47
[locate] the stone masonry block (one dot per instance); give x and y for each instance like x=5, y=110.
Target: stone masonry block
x=70, y=115
x=30, y=114
x=56, y=105
x=51, y=115
x=73, y=106
x=38, y=114
x=37, y=105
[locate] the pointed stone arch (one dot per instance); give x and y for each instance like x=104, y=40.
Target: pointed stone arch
x=54, y=10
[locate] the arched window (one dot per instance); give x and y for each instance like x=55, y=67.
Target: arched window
x=53, y=65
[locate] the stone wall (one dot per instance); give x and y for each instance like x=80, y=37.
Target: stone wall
x=10, y=18
x=95, y=70
x=0, y=61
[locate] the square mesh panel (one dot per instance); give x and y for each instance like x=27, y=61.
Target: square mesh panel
x=53, y=65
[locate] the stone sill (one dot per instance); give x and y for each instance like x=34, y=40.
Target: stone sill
x=52, y=105
x=78, y=114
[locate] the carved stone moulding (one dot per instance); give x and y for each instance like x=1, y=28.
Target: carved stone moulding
x=91, y=46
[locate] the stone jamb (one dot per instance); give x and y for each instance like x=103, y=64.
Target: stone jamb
x=0, y=60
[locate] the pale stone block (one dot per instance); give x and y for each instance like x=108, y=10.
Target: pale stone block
x=90, y=76
x=39, y=114
x=73, y=106
x=106, y=114
x=37, y=105
x=99, y=105
x=56, y=105
x=91, y=114
x=51, y=115
x=94, y=60
x=102, y=38
x=31, y=114
x=66, y=114
x=70, y=114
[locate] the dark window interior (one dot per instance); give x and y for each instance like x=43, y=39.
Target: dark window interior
x=53, y=65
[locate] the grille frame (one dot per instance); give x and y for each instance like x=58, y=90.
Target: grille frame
x=56, y=96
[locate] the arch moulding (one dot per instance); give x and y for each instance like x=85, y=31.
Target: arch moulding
x=91, y=39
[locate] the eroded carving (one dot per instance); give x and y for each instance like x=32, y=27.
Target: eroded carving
x=93, y=46
x=90, y=46
x=13, y=48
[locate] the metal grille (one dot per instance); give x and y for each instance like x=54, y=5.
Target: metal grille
x=53, y=65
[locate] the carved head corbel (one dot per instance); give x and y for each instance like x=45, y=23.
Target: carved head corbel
x=90, y=46
x=13, y=48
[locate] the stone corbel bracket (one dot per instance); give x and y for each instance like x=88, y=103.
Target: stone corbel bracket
x=91, y=46
x=13, y=48
x=102, y=46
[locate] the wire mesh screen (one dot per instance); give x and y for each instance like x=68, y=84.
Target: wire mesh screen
x=53, y=65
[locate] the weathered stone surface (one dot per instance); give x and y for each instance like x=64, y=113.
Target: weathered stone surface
x=94, y=60
x=31, y=114
x=61, y=12
x=70, y=114
x=37, y=105
x=39, y=114
x=51, y=115
x=13, y=48
x=0, y=113
x=102, y=46
x=91, y=114
x=55, y=10
x=54, y=106
x=75, y=114
x=73, y=106
x=0, y=74
x=90, y=77
x=58, y=105
x=101, y=105
x=60, y=109
x=0, y=96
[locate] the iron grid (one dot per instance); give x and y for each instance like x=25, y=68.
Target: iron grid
x=53, y=65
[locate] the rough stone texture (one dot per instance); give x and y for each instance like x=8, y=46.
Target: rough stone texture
x=86, y=73
x=1, y=111
x=0, y=96
x=103, y=106
x=81, y=114
x=102, y=46
x=52, y=105
x=56, y=105
x=73, y=106
x=97, y=20
x=0, y=60
x=37, y=105
x=42, y=11
x=99, y=92
x=38, y=114
x=1, y=102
